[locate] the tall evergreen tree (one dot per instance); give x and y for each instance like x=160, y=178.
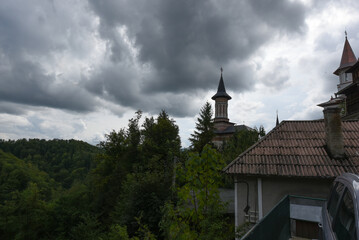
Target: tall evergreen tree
x=204, y=132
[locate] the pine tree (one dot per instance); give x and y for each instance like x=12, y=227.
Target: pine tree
x=204, y=132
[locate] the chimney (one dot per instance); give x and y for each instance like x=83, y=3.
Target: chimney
x=333, y=127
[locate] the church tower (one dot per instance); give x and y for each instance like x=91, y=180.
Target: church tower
x=348, y=60
x=348, y=88
x=221, y=102
x=223, y=128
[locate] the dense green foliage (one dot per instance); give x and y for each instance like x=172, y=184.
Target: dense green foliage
x=24, y=191
x=137, y=184
x=199, y=212
x=64, y=160
x=134, y=174
x=33, y=203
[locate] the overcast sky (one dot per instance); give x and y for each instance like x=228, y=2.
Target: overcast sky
x=80, y=68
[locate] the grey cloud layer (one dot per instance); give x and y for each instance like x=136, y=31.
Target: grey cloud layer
x=184, y=43
x=176, y=37
x=33, y=34
x=160, y=54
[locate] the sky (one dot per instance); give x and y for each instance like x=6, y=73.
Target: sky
x=78, y=69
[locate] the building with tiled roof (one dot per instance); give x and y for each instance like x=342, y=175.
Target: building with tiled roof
x=295, y=158
x=301, y=157
x=298, y=149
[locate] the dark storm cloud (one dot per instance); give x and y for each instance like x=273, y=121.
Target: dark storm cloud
x=26, y=83
x=115, y=83
x=11, y=108
x=160, y=54
x=186, y=42
x=118, y=84
x=33, y=34
x=282, y=14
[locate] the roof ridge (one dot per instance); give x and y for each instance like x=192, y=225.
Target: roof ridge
x=314, y=120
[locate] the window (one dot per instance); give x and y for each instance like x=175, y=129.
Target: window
x=337, y=191
x=344, y=226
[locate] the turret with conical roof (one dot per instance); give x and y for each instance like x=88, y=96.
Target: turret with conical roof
x=221, y=98
x=221, y=92
x=348, y=60
x=223, y=128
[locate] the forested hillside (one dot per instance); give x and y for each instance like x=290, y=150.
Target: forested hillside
x=42, y=187
x=64, y=160
x=137, y=184
x=24, y=192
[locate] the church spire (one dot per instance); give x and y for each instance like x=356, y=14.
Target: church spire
x=348, y=56
x=221, y=91
x=347, y=61
x=221, y=98
x=277, y=121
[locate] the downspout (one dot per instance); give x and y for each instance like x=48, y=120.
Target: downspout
x=260, y=206
x=246, y=209
x=236, y=224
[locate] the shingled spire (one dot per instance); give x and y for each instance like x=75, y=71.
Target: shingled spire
x=348, y=56
x=348, y=60
x=221, y=98
x=221, y=92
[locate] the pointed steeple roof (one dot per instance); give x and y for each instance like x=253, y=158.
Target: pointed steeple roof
x=221, y=92
x=277, y=121
x=348, y=56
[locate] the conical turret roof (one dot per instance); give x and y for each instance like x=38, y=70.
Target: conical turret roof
x=221, y=92
x=348, y=57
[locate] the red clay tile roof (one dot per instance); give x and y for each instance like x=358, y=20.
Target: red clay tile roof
x=297, y=149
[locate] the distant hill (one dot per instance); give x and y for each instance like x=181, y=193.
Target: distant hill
x=63, y=160
x=16, y=174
